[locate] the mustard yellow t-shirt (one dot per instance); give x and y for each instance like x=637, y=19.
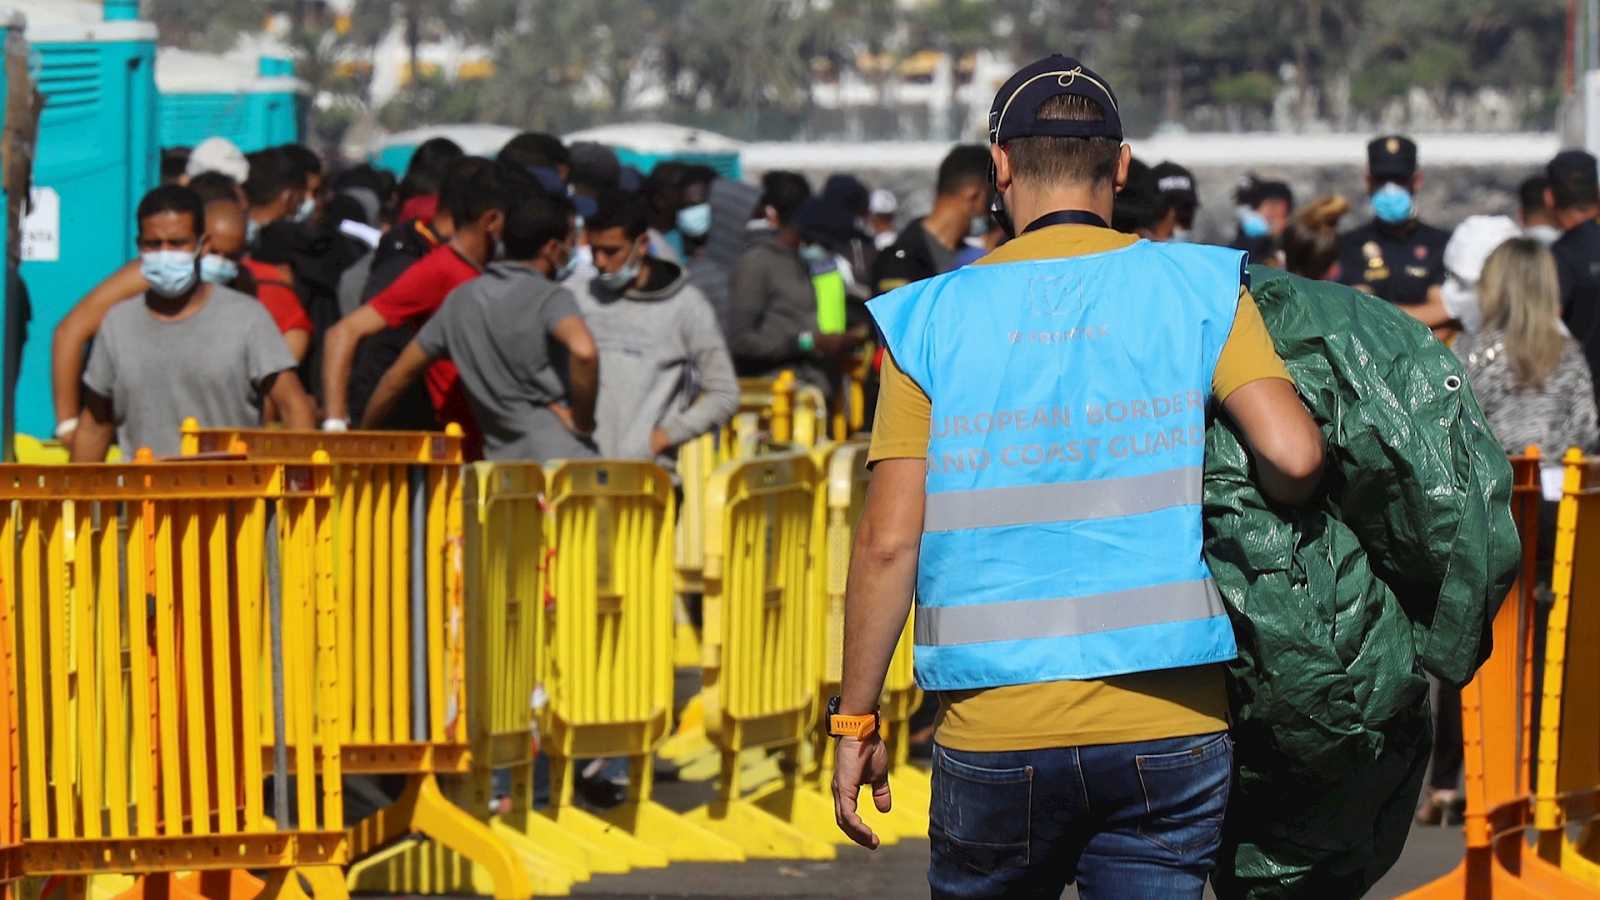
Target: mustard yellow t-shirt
x=1144, y=706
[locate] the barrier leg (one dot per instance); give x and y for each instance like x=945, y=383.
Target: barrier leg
x=233, y=884
x=654, y=824
x=327, y=883
x=423, y=808
x=565, y=814
x=761, y=834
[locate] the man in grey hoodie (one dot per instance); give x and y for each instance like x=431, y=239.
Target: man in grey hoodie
x=665, y=373
x=772, y=318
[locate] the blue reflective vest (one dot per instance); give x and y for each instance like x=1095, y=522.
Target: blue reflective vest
x=1062, y=533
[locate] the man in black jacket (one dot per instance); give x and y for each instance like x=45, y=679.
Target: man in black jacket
x=928, y=245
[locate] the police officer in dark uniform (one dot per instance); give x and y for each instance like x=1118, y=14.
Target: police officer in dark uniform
x=1396, y=256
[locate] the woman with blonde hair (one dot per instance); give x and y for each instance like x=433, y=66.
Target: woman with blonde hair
x=1529, y=374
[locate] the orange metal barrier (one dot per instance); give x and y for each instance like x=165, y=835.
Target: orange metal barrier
x=760, y=687
x=1497, y=722
x=163, y=648
x=1567, y=790
x=398, y=545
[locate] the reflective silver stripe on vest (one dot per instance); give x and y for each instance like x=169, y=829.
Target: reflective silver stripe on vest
x=1032, y=504
x=1183, y=601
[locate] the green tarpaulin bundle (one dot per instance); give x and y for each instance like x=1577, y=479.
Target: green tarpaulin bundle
x=1341, y=605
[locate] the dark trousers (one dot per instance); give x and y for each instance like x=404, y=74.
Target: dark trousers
x=1139, y=821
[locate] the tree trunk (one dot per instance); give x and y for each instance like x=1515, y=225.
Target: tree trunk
x=1173, y=105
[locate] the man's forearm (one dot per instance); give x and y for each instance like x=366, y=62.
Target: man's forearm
x=337, y=354
x=585, y=388
x=876, y=604
x=393, y=383
x=92, y=440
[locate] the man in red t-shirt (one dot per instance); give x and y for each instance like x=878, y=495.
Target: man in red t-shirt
x=477, y=193
x=275, y=290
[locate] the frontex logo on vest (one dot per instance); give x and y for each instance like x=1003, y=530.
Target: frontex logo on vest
x=1062, y=534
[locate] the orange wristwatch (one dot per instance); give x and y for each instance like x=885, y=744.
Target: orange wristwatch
x=858, y=727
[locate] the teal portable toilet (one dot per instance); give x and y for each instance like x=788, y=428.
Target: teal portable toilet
x=96, y=157
x=647, y=144
x=255, y=102
x=393, y=153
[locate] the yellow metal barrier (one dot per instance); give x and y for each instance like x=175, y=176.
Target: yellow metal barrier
x=1567, y=788
x=843, y=497
x=607, y=669
x=760, y=684
x=162, y=649
x=398, y=543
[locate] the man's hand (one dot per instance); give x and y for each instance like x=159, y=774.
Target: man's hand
x=860, y=763
x=659, y=442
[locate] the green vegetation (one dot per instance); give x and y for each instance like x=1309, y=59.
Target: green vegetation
x=746, y=66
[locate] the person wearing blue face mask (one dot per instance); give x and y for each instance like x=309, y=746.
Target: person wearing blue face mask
x=1396, y=255
x=1262, y=209
x=188, y=347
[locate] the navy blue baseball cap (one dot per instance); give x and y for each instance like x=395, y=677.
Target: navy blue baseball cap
x=1013, y=114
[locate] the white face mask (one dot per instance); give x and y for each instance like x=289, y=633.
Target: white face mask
x=1181, y=236
x=1544, y=234
x=623, y=278
x=170, y=273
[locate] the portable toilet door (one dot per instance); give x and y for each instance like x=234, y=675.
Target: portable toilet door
x=96, y=157
x=279, y=101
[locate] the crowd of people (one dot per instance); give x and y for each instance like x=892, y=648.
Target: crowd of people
x=556, y=303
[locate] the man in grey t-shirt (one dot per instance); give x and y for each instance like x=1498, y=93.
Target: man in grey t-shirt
x=186, y=348
x=507, y=331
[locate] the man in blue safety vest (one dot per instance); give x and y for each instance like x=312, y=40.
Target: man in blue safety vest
x=1037, y=483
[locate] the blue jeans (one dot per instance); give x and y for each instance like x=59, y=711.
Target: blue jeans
x=1124, y=821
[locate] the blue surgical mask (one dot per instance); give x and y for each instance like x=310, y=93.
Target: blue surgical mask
x=1253, y=224
x=218, y=269
x=1181, y=235
x=695, y=221
x=1391, y=204
x=307, y=207
x=170, y=273
x=978, y=226
x=252, y=230
x=621, y=279
x=814, y=253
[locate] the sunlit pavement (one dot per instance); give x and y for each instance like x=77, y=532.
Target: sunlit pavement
x=900, y=871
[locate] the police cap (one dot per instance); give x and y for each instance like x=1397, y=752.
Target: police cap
x=1392, y=156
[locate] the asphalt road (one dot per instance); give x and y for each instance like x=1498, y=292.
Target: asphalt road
x=897, y=872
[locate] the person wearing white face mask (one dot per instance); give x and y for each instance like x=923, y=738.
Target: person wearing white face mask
x=69, y=347
x=188, y=348
x=1396, y=255
x=665, y=373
